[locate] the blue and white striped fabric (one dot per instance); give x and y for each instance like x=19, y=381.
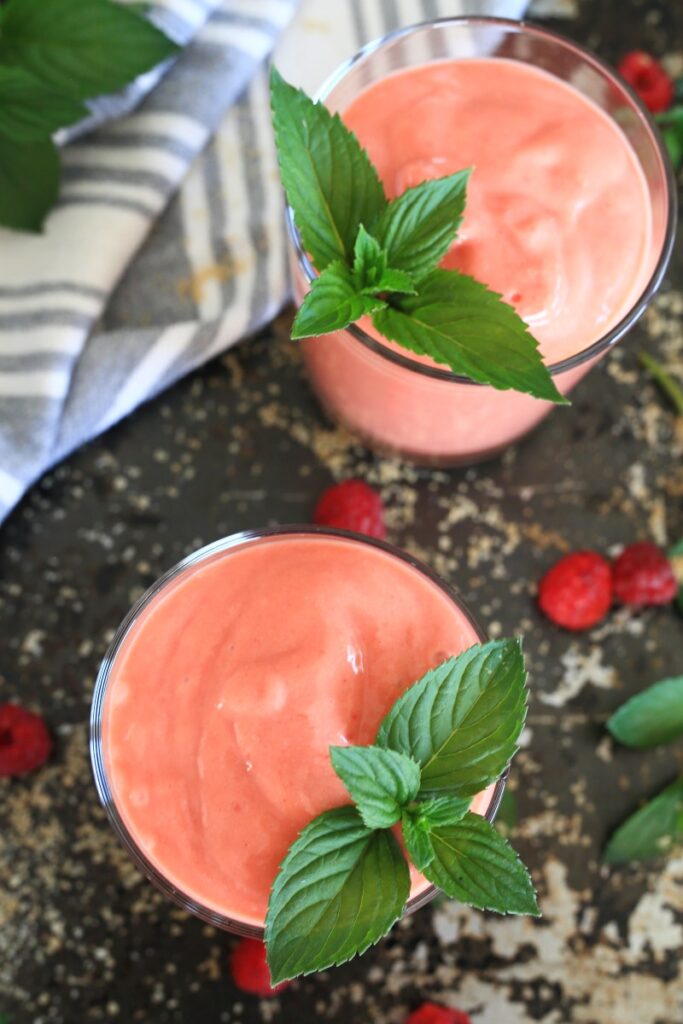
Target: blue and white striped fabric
x=75, y=358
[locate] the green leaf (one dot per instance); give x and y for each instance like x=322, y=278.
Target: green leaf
x=673, y=140
x=330, y=182
x=417, y=229
x=339, y=890
x=332, y=304
x=419, y=821
x=651, y=717
x=462, y=720
x=472, y=863
x=650, y=832
x=459, y=322
x=80, y=49
x=29, y=182
x=370, y=271
x=380, y=782
x=670, y=387
x=30, y=110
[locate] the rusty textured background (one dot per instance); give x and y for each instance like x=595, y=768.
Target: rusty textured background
x=241, y=444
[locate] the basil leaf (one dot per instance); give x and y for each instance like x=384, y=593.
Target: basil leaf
x=462, y=720
x=472, y=863
x=80, y=49
x=330, y=182
x=339, y=890
x=650, y=832
x=419, y=822
x=457, y=321
x=29, y=182
x=31, y=111
x=332, y=303
x=417, y=229
x=380, y=782
x=651, y=717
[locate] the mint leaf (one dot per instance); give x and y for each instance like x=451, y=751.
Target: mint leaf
x=670, y=387
x=650, y=832
x=459, y=322
x=462, y=720
x=29, y=182
x=332, y=303
x=380, y=782
x=330, y=182
x=339, y=890
x=472, y=863
x=651, y=717
x=417, y=229
x=30, y=110
x=370, y=271
x=418, y=823
x=80, y=49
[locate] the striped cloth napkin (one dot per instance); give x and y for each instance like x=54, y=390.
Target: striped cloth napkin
x=77, y=355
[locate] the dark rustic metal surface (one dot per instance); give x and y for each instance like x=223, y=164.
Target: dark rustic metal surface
x=241, y=444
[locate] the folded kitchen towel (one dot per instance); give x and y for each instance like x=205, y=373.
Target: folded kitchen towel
x=74, y=358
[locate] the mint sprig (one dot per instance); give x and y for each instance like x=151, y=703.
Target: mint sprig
x=345, y=880
x=54, y=54
x=652, y=831
x=652, y=717
x=391, y=251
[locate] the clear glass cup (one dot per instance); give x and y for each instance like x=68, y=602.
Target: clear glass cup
x=427, y=414
x=221, y=549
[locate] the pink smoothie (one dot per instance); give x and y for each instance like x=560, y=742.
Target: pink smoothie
x=231, y=686
x=558, y=221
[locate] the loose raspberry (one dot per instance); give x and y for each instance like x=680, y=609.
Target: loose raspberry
x=25, y=743
x=430, y=1013
x=643, y=575
x=249, y=969
x=577, y=592
x=352, y=505
x=648, y=79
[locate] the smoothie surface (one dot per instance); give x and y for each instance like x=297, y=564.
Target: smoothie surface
x=558, y=219
x=232, y=684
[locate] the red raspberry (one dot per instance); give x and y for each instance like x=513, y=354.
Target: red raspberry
x=577, y=592
x=648, y=79
x=25, y=743
x=352, y=505
x=430, y=1013
x=644, y=575
x=249, y=969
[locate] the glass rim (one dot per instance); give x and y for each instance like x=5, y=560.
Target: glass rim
x=606, y=341
x=102, y=783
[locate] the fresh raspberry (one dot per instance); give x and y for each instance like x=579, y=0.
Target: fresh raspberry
x=352, y=505
x=577, y=592
x=430, y=1013
x=648, y=79
x=25, y=743
x=644, y=575
x=249, y=969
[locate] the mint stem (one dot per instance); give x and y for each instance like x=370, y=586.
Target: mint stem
x=666, y=382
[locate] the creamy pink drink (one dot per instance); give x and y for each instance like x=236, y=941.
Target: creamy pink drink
x=561, y=219
x=216, y=709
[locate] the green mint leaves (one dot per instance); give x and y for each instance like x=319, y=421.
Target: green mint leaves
x=462, y=720
x=340, y=888
x=53, y=56
x=380, y=782
x=380, y=258
x=652, y=717
x=345, y=880
x=328, y=177
x=650, y=832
